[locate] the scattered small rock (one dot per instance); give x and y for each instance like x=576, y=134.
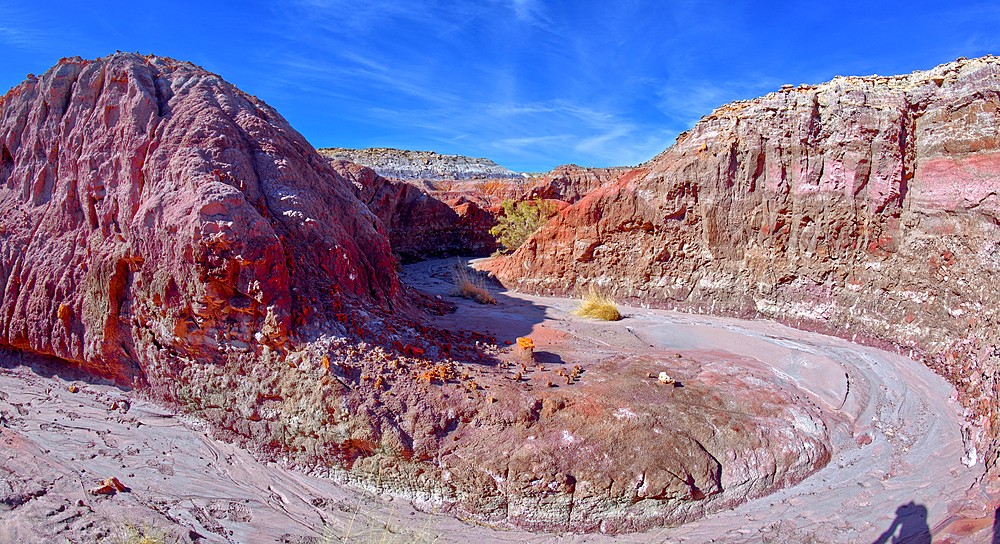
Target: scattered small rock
x=110, y=487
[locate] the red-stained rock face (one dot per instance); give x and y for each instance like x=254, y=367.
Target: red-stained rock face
x=419, y=225
x=865, y=207
x=569, y=182
x=150, y=206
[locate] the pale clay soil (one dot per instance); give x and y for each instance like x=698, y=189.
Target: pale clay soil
x=896, y=433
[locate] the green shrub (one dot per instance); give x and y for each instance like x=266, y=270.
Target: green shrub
x=520, y=220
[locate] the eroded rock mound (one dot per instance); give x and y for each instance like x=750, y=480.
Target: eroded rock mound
x=866, y=207
x=421, y=226
x=569, y=182
x=151, y=207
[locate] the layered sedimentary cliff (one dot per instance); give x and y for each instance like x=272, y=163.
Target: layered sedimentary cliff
x=150, y=208
x=404, y=164
x=866, y=207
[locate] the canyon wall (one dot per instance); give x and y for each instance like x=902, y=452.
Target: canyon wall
x=151, y=207
x=569, y=182
x=865, y=207
x=421, y=226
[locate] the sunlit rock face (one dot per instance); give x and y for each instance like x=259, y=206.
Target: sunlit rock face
x=569, y=182
x=151, y=207
x=405, y=164
x=865, y=207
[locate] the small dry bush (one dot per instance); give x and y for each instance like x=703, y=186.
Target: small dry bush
x=598, y=306
x=129, y=533
x=469, y=286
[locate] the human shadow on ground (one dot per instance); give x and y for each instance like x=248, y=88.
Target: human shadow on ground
x=911, y=522
x=996, y=527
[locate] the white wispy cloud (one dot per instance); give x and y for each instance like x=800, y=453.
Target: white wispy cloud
x=21, y=28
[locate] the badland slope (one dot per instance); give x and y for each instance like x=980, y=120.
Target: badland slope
x=151, y=208
x=422, y=223
x=865, y=207
x=164, y=229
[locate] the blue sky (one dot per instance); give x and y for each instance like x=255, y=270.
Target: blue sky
x=529, y=84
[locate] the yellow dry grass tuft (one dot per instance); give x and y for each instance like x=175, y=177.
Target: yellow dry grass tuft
x=598, y=306
x=469, y=286
x=129, y=533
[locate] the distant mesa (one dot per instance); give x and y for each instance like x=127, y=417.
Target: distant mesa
x=403, y=164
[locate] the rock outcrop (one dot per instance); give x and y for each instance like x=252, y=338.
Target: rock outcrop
x=405, y=164
x=865, y=207
x=421, y=226
x=569, y=182
x=151, y=208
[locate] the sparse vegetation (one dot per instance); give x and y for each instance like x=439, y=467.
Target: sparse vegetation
x=470, y=286
x=368, y=529
x=598, y=306
x=129, y=533
x=520, y=220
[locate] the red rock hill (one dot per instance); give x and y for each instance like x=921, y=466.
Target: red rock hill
x=149, y=206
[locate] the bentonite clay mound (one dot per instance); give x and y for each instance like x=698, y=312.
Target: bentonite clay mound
x=151, y=207
x=865, y=207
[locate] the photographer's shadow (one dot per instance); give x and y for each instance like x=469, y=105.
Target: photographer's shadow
x=911, y=523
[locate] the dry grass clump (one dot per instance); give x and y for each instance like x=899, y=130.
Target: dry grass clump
x=598, y=306
x=469, y=286
x=129, y=533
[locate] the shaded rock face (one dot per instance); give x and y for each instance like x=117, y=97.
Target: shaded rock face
x=405, y=164
x=865, y=207
x=151, y=207
x=419, y=225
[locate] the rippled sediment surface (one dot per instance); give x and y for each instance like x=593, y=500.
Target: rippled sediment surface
x=894, y=428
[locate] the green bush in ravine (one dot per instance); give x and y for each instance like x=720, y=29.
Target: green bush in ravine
x=519, y=220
